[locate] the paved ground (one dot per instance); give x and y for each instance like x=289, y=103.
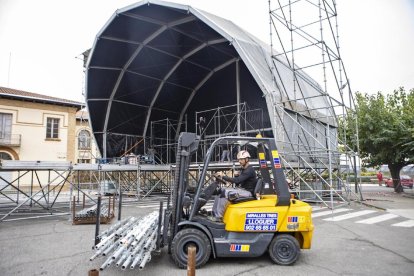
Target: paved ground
x=340, y=246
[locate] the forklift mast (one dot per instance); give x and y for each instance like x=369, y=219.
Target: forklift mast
x=187, y=145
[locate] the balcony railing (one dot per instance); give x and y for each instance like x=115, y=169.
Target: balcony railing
x=11, y=140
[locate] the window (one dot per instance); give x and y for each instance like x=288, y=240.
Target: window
x=5, y=125
x=5, y=156
x=52, y=128
x=84, y=140
x=84, y=161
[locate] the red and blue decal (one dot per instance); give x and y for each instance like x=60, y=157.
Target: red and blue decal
x=292, y=219
x=262, y=160
x=276, y=159
x=239, y=247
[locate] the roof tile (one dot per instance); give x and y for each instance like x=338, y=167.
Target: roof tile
x=5, y=91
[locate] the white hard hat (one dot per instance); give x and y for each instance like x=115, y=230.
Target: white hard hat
x=243, y=154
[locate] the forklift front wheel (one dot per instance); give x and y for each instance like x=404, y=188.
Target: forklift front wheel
x=284, y=249
x=185, y=238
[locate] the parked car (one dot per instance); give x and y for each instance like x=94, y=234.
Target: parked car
x=406, y=181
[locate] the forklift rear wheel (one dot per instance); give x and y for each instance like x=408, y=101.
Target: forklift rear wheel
x=186, y=238
x=284, y=249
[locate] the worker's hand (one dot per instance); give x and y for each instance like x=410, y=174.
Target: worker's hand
x=236, y=173
x=219, y=178
x=218, y=175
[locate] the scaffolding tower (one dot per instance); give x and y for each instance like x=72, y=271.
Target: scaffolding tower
x=304, y=38
x=162, y=140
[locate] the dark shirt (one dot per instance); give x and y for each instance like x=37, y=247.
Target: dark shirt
x=247, y=179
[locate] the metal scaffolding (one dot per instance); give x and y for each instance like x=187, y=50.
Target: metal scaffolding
x=231, y=120
x=163, y=140
x=305, y=37
x=33, y=188
x=41, y=188
x=58, y=188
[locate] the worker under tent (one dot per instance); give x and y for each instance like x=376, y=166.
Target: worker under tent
x=156, y=68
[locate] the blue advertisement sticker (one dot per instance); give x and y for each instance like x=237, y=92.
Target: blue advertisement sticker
x=260, y=222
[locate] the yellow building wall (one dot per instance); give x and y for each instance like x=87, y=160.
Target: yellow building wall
x=29, y=120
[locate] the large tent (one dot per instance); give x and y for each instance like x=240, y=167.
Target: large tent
x=154, y=60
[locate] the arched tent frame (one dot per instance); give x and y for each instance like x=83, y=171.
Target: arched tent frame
x=156, y=60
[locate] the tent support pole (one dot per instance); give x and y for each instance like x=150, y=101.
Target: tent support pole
x=104, y=146
x=238, y=96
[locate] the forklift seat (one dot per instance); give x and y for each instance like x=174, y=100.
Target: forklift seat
x=233, y=197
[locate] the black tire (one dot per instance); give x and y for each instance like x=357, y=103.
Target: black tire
x=284, y=249
x=185, y=238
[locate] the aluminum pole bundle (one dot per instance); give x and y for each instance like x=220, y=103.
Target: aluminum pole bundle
x=91, y=212
x=129, y=242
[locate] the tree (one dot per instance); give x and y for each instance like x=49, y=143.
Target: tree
x=386, y=130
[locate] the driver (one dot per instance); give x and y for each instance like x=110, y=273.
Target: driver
x=246, y=183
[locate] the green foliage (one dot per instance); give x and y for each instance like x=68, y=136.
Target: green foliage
x=366, y=173
x=364, y=179
x=385, y=127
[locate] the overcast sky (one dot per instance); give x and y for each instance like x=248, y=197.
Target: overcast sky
x=40, y=40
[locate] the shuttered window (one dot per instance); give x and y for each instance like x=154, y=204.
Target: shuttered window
x=52, y=128
x=5, y=125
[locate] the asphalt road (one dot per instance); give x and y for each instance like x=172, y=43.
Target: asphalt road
x=340, y=247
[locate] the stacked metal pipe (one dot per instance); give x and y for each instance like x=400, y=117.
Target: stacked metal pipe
x=92, y=212
x=129, y=242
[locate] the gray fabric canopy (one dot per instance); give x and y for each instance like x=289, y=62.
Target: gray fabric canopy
x=154, y=60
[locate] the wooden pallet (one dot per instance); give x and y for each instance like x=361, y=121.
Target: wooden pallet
x=106, y=218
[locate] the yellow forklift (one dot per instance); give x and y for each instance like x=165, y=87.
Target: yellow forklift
x=274, y=221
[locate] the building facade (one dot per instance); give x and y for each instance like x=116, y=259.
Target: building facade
x=35, y=127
